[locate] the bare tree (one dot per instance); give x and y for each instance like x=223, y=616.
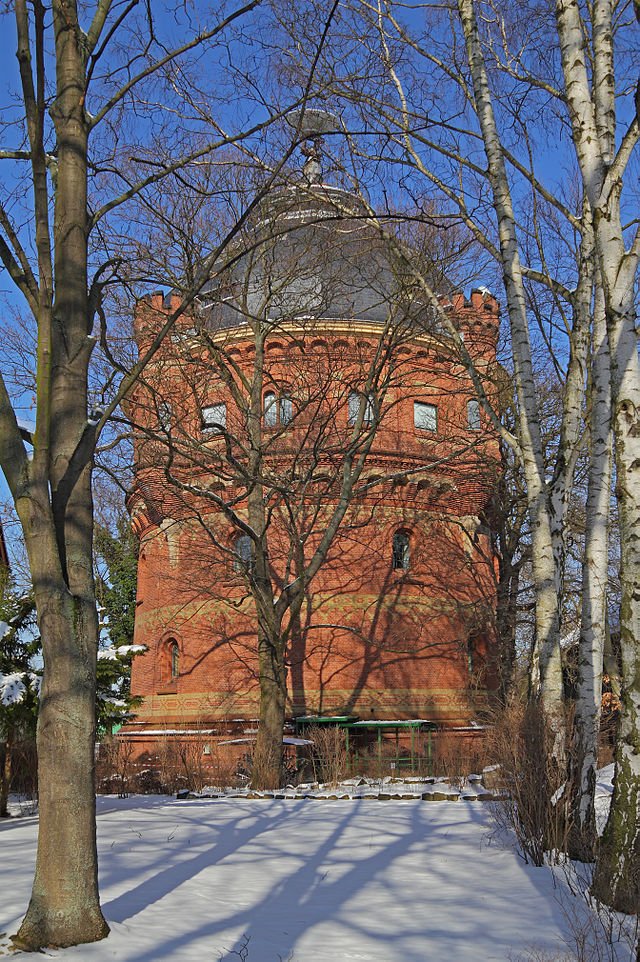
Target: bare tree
x=272, y=400
x=512, y=86
x=462, y=156
x=82, y=141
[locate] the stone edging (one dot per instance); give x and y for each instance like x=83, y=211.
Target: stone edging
x=344, y=797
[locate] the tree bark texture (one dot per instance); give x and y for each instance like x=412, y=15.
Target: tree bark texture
x=593, y=117
x=64, y=908
x=583, y=759
x=54, y=502
x=268, y=754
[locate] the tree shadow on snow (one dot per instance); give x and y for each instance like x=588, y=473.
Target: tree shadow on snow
x=323, y=871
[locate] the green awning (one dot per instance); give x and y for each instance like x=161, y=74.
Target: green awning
x=326, y=719
x=414, y=724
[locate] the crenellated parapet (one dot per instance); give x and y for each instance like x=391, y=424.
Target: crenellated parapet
x=478, y=319
x=289, y=359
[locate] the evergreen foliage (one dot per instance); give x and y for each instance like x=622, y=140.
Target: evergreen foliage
x=19, y=678
x=116, y=563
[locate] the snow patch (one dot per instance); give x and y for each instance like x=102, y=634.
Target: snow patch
x=12, y=688
x=107, y=654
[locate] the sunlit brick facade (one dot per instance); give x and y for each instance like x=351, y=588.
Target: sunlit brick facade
x=399, y=620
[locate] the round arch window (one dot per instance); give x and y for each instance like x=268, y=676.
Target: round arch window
x=174, y=659
x=401, y=551
x=244, y=559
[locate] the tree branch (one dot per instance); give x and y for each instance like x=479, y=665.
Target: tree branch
x=152, y=68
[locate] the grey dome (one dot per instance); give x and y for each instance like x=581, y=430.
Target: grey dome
x=311, y=252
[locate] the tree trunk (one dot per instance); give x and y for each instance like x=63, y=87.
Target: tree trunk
x=545, y=507
x=64, y=908
x=56, y=513
x=509, y=529
x=5, y=776
x=583, y=758
x=268, y=755
x=546, y=675
x=617, y=877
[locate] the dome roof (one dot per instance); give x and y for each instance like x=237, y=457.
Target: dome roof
x=311, y=252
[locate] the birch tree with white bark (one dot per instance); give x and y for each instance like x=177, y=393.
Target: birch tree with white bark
x=605, y=143
x=475, y=105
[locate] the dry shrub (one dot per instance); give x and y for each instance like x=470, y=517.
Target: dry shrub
x=521, y=743
x=19, y=774
x=330, y=758
x=457, y=756
x=180, y=762
x=167, y=774
x=216, y=769
x=193, y=762
x=262, y=776
x=593, y=932
x=378, y=763
x=146, y=781
x=263, y=771
x=24, y=767
x=114, y=768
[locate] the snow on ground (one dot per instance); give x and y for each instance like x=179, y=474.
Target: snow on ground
x=604, y=790
x=306, y=880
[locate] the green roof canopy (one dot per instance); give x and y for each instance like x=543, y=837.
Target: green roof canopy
x=421, y=724
x=326, y=719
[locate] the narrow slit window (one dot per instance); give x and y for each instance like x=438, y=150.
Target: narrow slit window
x=174, y=653
x=401, y=551
x=244, y=554
x=425, y=416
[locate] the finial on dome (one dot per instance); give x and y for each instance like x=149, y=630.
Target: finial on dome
x=312, y=124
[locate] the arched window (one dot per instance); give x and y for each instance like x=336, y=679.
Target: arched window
x=286, y=409
x=277, y=410
x=270, y=409
x=473, y=414
x=244, y=553
x=214, y=418
x=174, y=659
x=401, y=551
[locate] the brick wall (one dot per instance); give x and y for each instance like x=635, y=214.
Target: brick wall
x=372, y=640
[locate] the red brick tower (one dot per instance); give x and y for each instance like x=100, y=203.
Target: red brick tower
x=398, y=620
